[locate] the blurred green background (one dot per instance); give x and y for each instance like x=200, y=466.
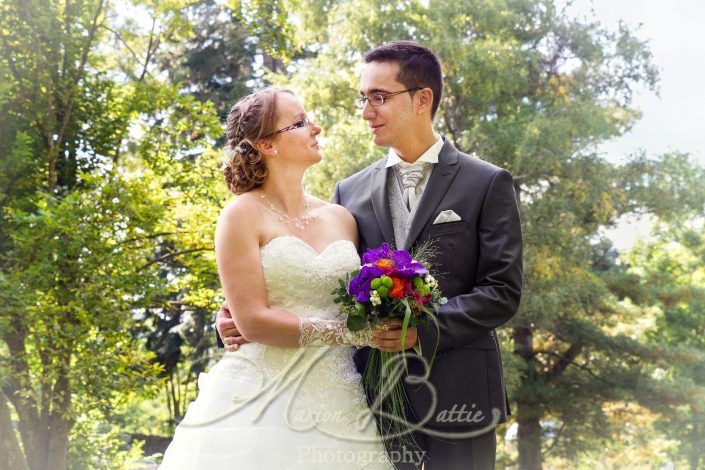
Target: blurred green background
x=111, y=144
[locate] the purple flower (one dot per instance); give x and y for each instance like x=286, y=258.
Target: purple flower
x=371, y=255
x=406, y=266
x=360, y=285
x=401, y=258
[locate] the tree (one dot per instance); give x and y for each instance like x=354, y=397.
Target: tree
x=217, y=63
x=671, y=270
x=85, y=207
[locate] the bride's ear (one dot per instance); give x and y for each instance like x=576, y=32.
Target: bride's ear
x=266, y=148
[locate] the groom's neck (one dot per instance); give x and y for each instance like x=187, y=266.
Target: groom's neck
x=416, y=145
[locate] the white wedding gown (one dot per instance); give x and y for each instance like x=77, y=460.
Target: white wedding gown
x=266, y=407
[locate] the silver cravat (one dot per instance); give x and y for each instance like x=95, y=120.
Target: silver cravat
x=411, y=176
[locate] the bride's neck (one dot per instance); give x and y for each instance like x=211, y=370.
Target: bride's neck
x=286, y=194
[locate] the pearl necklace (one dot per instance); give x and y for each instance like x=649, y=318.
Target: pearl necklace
x=299, y=222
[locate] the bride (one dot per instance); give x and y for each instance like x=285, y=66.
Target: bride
x=291, y=398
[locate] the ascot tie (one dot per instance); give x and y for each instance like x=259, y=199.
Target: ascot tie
x=411, y=176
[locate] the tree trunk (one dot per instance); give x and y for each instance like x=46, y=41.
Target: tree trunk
x=60, y=424
x=21, y=394
x=272, y=63
x=57, y=452
x=529, y=441
x=10, y=454
x=51, y=453
x=46, y=443
x=694, y=435
x=528, y=414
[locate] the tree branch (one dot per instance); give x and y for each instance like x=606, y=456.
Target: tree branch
x=564, y=360
x=149, y=237
x=450, y=128
x=148, y=57
x=555, y=440
x=172, y=255
x=55, y=145
x=124, y=43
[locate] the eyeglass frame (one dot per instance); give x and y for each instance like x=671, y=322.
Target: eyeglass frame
x=361, y=100
x=305, y=122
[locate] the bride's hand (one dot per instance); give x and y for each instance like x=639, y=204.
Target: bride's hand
x=227, y=330
x=390, y=340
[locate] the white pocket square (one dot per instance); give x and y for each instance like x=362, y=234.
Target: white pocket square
x=446, y=216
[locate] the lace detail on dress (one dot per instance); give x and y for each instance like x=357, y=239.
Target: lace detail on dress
x=299, y=280
x=317, y=332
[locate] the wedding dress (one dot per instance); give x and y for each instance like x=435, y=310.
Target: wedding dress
x=265, y=407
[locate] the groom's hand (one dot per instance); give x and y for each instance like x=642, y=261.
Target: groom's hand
x=227, y=329
x=390, y=340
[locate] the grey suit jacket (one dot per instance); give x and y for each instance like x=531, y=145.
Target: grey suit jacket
x=479, y=269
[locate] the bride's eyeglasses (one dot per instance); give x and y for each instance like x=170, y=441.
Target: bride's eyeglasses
x=378, y=99
x=305, y=122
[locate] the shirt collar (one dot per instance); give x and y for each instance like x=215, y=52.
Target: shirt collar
x=429, y=156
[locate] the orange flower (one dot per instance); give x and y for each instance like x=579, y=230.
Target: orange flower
x=385, y=264
x=397, y=290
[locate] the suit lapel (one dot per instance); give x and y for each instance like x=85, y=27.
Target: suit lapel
x=438, y=183
x=380, y=200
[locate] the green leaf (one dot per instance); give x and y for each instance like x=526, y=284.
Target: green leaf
x=361, y=309
x=356, y=322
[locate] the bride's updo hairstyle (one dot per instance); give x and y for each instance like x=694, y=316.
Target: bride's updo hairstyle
x=250, y=119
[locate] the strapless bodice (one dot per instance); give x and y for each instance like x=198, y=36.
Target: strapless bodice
x=299, y=280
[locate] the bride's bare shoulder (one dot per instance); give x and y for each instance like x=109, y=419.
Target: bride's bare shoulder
x=241, y=211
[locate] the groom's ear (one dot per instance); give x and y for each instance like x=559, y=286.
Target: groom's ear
x=425, y=100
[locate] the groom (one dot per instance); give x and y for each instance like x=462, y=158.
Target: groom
x=425, y=189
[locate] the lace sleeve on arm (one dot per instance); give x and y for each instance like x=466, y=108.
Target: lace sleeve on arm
x=317, y=332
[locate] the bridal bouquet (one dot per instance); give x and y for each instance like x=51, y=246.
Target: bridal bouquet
x=389, y=284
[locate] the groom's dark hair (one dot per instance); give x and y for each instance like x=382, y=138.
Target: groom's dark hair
x=419, y=67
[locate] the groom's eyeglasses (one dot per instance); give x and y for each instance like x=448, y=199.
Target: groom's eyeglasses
x=378, y=99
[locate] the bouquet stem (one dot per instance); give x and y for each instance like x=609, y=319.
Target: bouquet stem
x=383, y=381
